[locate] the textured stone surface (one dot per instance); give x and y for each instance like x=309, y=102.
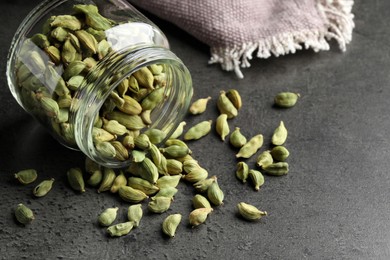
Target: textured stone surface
x=334, y=203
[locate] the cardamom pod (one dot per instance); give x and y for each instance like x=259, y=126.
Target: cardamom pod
x=242, y=171
x=196, y=175
x=280, y=153
x=132, y=195
x=174, y=167
x=59, y=33
x=250, y=212
x=170, y=224
x=133, y=84
x=222, y=126
x=198, y=131
x=128, y=142
x=131, y=122
x=50, y=106
x=155, y=135
x=178, y=131
x=99, y=35
x=87, y=40
x=119, y=181
x=67, y=22
x=106, y=149
x=225, y=106
x=122, y=154
x=175, y=151
x=75, y=82
x=142, y=142
x=168, y=192
x=279, y=136
x=276, y=169
x=199, y=216
x=203, y=185
x=168, y=181
x=234, y=97
x=114, y=127
x=96, y=178
x=108, y=179
x=237, y=139
x=103, y=49
x=199, y=201
x=93, y=18
x=26, y=176
x=251, y=147
x=144, y=77
x=150, y=171
x=178, y=142
x=54, y=54
x=75, y=179
x=43, y=188
x=264, y=159
x=145, y=115
x=134, y=214
x=155, y=154
x=199, y=106
x=142, y=185
x=120, y=229
x=108, y=216
x=257, y=178
x=153, y=99
x=101, y=135
x=286, y=99
x=190, y=165
x=159, y=204
x=23, y=214
x=215, y=194
x=130, y=106
x=156, y=69
x=137, y=156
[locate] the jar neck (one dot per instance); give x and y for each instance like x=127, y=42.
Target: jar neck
x=108, y=74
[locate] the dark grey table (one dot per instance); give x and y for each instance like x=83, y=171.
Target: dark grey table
x=334, y=203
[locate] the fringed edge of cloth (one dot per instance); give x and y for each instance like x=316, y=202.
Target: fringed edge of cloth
x=339, y=26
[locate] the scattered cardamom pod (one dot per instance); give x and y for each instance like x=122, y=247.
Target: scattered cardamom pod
x=159, y=204
x=142, y=185
x=225, y=106
x=286, y=99
x=203, y=185
x=108, y=179
x=26, y=176
x=150, y=171
x=106, y=149
x=132, y=195
x=234, y=97
x=174, y=167
x=170, y=224
x=242, y=171
x=199, y=216
x=178, y=131
x=156, y=136
x=199, y=106
x=257, y=178
x=108, y=216
x=251, y=147
x=120, y=229
x=196, y=175
x=280, y=134
x=23, y=214
x=75, y=179
x=198, y=131
x=168, y=192
x=137, y=156
x=222, y=126
x=215, y=194
x=168, y=181
x=175, y=151
x=119, y=181
x=144, y=77
x=43, y=188
x=280, y=153
x=237, y=139
x=276, y=169
x=264, y=159
x=199, y=201
x=250, y=212
x=96, y=178
x=134, y=214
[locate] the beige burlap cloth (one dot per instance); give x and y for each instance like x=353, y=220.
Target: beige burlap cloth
x=237, y=30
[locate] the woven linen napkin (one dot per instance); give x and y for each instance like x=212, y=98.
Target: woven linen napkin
x=236, y=30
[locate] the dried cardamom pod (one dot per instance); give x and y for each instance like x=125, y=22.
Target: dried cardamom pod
x=75, y=82
x=150, y=171
x=153, y=99
x=286, y=99
x=122, y=154
x=130, y=106
x=251, y=147
x=237, y=139
x=132, y=122
x=119, y=181
x=144, y=77
x=66, y=21
x=142, y=185
x=196, y=175
x=178, y=131
x=159, y=204
x=170, y=224
x=43, y=188
x=120, y=229
x=75, y=179
x=155, y=154
x=54, y=54
x=26, y=176
x=163, y=167
x=257, y=178
x=114, y=127
x=103, y=49
x=199, y=216
x=168, y=181
x=96, y=178
x=101, y=135
x=108, y=216
x=175, y=151
x=137, y=156
x=132, y=195
x=59, y=33
x=128, y=142
x=222, y=126
x=203, y=185
x=190, y=165
x=264, y=159
x=279, y=136
x=93, y=18
x=23, y=214
x=50, y=106
x=174, y=167
x=199, y=106
x=225, y=106
x=250, y=212
x=134, y=214
x=242, y=171
x=168, y=192
x=156, y=69
x=69, y=52
x=108, y=179
x=142, y=142
x=199, y=201
x=106, y=149
x=87, y=40
x=215, y=194
x=133, y=84
x=155, y=135
x=234, y=97
x=280, y=153
x=198, y=131
x=276, y=169
x=145, y=115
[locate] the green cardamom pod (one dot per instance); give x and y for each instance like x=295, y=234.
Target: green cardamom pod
x=279, y=136
x=87, y=40
x=242, y=171
x=178, y=131
x=93, y=18
x=280, y=153
x=168, y=181
x=251, y=147
x=75, y=179
x=66, y=21
x=198, y=131
x=156, y=136
x=199, y=216
x=168, y=192
x=142, y=185
x=145, y=115
x=69, y=52
x=153, y=99
x=103, y=48
x=286, y=99
x=264, y=159
x=90, y=165
x=101, y=135
x=75, y=42
x=128, y=142
x=222, y=126
x=26, y=176
x=159, y=204
x=237, y=139
x=190, y=165
x=99, y=35
x=50, y=106
x=144, y=77
x=106, y=149
x=73, y=69
x=137, y=156
x=234, y=97
x=90, y=63
x=163, y=166
x=119, y=181
x=250, y=212
x=108, y=216
x=199, y=201
x=170, y=224
x=155, y=154
x=108, y=179
x=43, y=188
x=23, y=214
x=215, y=194
x=96, y=178
x=276, y=169
x=225, y=106
x=203, y=185
x=120, y=229
x=59, y=33
x=199, y=106
x=257, y=178
x=142, y=142
x=132, y=195
x=174, y=167
x=156, y=69
x=134, y=214
x=133, y=84
x=123, y=87
x=75, y=82
x=114, y=127
x=54, y=54
x=131, y=122
x=150, y=171
x=175, y=151
x=130, y=106
x=196, y=175
x=121, y=152
x=178, y=142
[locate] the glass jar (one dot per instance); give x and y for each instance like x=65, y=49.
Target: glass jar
x=97, y=74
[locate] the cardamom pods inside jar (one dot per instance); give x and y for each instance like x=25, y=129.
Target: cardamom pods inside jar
x=99, y=76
